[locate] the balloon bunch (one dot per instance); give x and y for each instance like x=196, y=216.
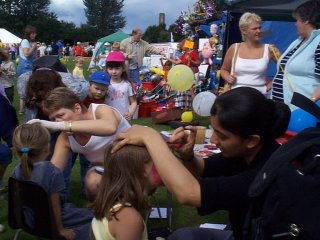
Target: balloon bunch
x=145, y=73
x=203, y=11
x=183, y=25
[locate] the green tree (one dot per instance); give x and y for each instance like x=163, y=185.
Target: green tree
x=156, y=34
x=16, y=14
x=104, y=16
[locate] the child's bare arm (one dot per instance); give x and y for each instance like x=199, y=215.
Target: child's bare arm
x=66, y=233
x=129, y=220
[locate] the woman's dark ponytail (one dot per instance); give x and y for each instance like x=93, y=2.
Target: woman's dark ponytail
x=244, y=111
x=280, y=120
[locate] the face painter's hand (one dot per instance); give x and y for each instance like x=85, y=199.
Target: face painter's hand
x=136, y=135
x=183, y=140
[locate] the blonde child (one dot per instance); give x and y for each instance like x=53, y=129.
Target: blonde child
x=78, y=69
x=120, y=93
x=7, y=73
x=31, y=142
x=123, y=194
x=115, y=46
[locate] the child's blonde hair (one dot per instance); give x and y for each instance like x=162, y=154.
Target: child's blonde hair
x=29, y=141
x=115, y=46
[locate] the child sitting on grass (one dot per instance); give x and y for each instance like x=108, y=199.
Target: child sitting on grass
x=32, y=144
x=122, y=198
x=99, y=82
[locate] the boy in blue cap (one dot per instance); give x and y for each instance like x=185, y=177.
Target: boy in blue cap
x=99, y=82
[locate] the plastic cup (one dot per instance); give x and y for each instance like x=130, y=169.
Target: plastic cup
x=201, y=134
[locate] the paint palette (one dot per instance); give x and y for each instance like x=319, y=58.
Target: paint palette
x=205, y=150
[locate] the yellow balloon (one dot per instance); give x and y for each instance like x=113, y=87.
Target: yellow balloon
x=180, y=78
x=187, y=116
x=157, y=71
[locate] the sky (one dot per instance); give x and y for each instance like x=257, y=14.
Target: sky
x=138, y=13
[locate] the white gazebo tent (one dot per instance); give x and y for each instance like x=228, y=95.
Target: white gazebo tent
x=8, y=37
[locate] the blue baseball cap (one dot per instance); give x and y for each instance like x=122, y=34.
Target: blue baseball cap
x=100, y=77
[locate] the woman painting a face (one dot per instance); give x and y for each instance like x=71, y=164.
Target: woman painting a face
x=245, y=125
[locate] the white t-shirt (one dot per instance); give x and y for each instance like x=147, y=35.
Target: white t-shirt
x=118, y=96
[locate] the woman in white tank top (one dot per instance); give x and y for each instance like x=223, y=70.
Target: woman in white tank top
x=245, y=64
x=87, y=131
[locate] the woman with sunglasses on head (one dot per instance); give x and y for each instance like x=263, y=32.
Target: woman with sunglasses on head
x=47, y=64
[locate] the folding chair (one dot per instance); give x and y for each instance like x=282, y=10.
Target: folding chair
x=165, y=230
x=30, y=210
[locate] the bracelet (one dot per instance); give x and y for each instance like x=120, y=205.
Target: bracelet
x=70, y=126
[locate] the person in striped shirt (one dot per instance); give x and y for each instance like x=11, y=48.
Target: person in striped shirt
x=299, y=65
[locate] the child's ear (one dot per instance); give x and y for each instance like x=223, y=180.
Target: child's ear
x=147, y=170
x=47, y=148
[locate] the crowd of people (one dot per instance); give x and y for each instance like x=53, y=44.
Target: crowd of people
x=67, y=116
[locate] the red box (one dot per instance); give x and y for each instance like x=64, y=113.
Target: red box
x=149, y=85
x=145, y=108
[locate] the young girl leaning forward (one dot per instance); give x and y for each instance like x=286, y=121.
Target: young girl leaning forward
x=123, y=193
x=31, y=141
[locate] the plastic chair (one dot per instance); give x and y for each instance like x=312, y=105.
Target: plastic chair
x=30, y=210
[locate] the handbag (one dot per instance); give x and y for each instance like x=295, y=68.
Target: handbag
x=227, y=86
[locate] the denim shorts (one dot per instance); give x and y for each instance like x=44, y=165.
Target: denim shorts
x=5, y=154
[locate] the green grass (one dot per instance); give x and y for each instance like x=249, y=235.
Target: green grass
x=181, y=215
